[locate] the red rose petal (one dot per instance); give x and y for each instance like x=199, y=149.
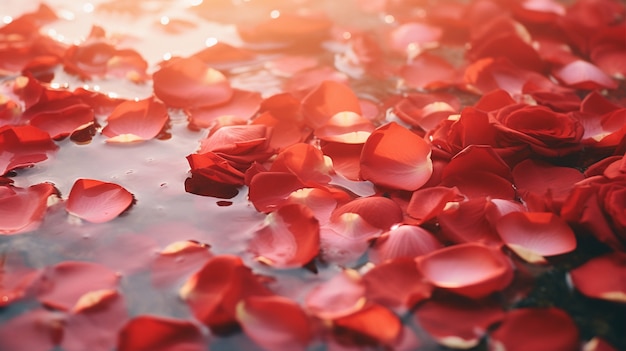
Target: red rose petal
x=426, y=111
x=274, y=323
x=458, y=323
x=22, y=210
x=346, y=238
x=177, y=261
x=269, y=189
x=340, y=296
x=152, y=333
x=533, y=235
x=136, y=121
x=213, y=292
x=243, y=104
x=597, y=344
x=23, y=146
x=96, y=201
x=602, y=277
x=35, y=330
x=380, y=212
x=473, y=270
x=396, y=283
x=346, y=127
x=190, y=83
x=288, y=238
x=328, y=99
x=412, y=37
x=467, y=222
x=374, y=322
x=404, y=241
x=60, y=117
x=428, y=203
x=428, y=72
x=537, y=329
x=66, y=284
x=395, y=157
x=305, y=161
x=584, y=75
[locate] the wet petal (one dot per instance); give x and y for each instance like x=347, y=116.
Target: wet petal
x=38, y=330
x=243, y=104
x=22, y=210
x=373, y=322
x=602, y=277
x=60, y=117
x=404, y=241
x=23, y=146
x=96, y=201
x=340, y=296
x=428, y=203
x=380, y=212
x=304, y=161
x=395, y=157
x=136, y=121
x=346, y=238
x=328, y=99
x=177, y=261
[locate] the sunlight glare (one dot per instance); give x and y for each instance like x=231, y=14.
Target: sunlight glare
x=88, y=7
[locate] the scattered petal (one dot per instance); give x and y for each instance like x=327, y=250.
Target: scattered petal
x=97, y=201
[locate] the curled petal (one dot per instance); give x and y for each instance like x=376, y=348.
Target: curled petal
x=602, y=277
x=472, y=270
x=23, y=146
x=395, y=157
x=305, y=161
x=427, y=203
x=541, y=329
x=152, y=333
x=60, y=117
x=96, y=201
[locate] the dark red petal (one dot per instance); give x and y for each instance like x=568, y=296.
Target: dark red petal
x=328, y=99
x=190, y=83
x=584, y=75
x=540, y=329
x=152, y=333
x=274, y=322
x=458, y=323
x=547, y=181
x=340, y=296
x=404, y=241
x=346, y=238
x=395, y=157
x=22, y=210
x=602, y=277
x=97, y=201
x=35, y=330
x=243, y=104
x=290, y=237
x=427, y=203
x=378, y=211
x=177, y=261
x=467, y=222
x=533, y=235
x=374, y=322
x=136, y=121
x=473, y=270
x=213, y=292
x=396, y=283
x=68, y=285
x=23, y=146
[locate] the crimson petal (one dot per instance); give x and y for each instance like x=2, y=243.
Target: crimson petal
x=23, y=146
x=22, y=210
x=97, y=201
x=378, y=211
x=427, y=203
x=602, y=277
x=395, y=157
x=584, y=75
x=152, y=333
x=374, y=322
x=404, y=241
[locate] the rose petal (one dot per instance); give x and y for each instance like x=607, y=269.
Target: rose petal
x=373, y=322
x=190, y=83
x=346, y=238
x=96, y=201
x=65, y=284
x=22, y=210
x=536, y=329
x=328, y=99
x=395, y=157
x=136, y=121
x=152, y=333
x=467, y=222
x=584, y=75
x=288, y=238
x=340, y=296
x=346, y=158
x=304, y=161
x=243, y=104
x=404, y=241
x=23, y=146
x=533, y=235
x=602, y=277
x=345, y=127
x=379, y=212
x=473, y=270
x=38, y=330
x=274, y=322
x=177, y=261
x=60, y=117
x=428, y=203
x=428, y=71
